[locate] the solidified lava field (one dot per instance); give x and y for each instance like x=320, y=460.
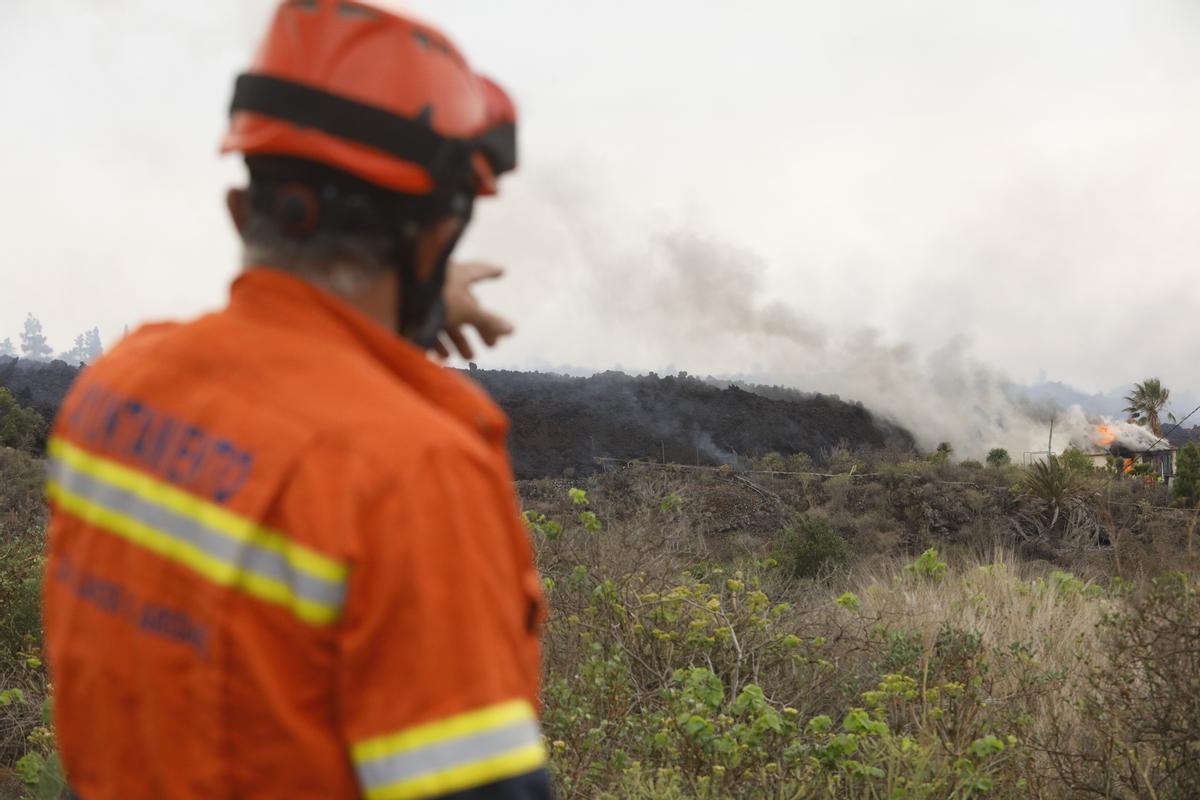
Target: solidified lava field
x=562, y=423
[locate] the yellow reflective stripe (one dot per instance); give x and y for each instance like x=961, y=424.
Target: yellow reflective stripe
x=209, y=514
x=219, y=572
x=454, y=727
x=480, y=773
x=450, y=755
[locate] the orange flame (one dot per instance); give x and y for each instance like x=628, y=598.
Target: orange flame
x=1105, y=435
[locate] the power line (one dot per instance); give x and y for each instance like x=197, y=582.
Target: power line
x=1174, y=428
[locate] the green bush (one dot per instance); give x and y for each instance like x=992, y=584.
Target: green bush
x=20, y=428
x=1076, y=460
x=813, y=548
x=1185, y=488
x=998, y=457
x=20, y=593
x=800, y=462
x=707, y=687
x=942, y=454
x=771, y=462
x=22, y=503
x=26, y=742
x=22, y=540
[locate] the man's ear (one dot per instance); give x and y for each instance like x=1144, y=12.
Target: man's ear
x=238, y=203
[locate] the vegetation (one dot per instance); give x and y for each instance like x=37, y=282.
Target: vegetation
x=26, y=743
x=903, y=629
x=683, y=666
x=20, y=428
x=1186, y=486
x=1146, y=401
x=813, y=549
x=998, y=457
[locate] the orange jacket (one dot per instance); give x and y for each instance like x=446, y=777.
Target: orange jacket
x=286, y=561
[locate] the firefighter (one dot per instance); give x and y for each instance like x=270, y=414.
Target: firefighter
x=285, y=556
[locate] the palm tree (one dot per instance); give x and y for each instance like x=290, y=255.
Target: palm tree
x=1145, y=401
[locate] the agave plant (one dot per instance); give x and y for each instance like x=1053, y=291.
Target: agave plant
x=1055, y=484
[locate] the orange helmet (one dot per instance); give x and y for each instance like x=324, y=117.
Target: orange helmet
x=376, y=94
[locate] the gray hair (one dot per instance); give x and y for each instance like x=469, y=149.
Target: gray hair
x=339, y=262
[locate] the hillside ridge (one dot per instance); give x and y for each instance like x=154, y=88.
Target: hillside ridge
x=561, y=425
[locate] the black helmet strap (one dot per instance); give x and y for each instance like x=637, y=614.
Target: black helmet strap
x=304, y=198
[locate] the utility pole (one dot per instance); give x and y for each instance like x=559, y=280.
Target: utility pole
x=1050, y=444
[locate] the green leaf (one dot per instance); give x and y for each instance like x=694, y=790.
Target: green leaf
x=590, y=521
x=29, y=768
x=817, y=725
x=750, y=701
x=986, y=746
x=53, y=781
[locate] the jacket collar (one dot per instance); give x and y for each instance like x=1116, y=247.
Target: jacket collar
x=273, y=295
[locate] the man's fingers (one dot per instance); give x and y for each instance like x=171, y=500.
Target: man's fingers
x=463, y=309
x=491, y=327
x=439, y=347
x=460, y=342
x=475, y=271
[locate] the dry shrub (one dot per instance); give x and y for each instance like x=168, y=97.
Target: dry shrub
x=22, y=507
x=1134, y=727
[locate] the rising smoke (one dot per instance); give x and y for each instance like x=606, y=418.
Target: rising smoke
x=685, y=298
x=945, y=397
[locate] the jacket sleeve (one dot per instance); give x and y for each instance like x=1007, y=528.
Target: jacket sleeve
x=438, y=648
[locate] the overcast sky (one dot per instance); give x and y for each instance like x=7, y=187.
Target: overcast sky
x=760, y=187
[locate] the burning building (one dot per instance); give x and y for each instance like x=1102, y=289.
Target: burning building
x=1121, y=446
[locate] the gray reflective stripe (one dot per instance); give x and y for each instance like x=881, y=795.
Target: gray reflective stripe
x=448, y=755
x=241, y=555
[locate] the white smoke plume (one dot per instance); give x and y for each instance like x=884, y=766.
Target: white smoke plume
x=1087, y=432
x=684, y=299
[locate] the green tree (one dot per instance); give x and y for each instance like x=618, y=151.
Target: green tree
x=1186, y=484
x=998, y=457
x=33, y=341
x=1147, y=399
x=942, y=454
